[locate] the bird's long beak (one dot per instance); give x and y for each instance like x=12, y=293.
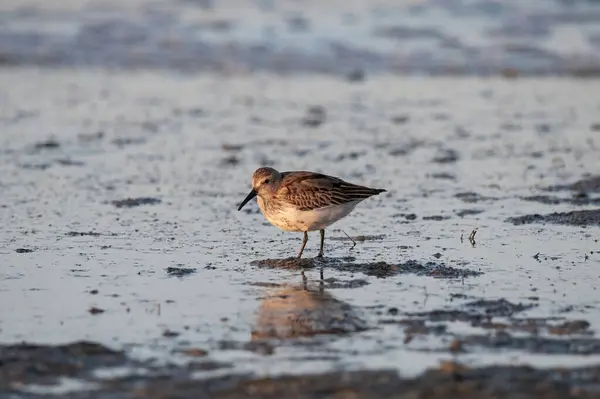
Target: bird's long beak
x=248, y=198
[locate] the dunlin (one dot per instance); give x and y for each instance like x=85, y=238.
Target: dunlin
x=305, y=201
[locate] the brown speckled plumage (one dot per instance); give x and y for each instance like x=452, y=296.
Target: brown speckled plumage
x=308, y=190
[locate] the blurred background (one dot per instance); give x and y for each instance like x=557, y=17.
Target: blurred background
x=332, y=36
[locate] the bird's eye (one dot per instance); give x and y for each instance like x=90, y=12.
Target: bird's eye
x=266, y=181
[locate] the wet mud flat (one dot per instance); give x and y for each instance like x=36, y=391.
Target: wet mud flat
x=127, y=271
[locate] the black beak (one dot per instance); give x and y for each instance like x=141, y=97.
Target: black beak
x=248, y=198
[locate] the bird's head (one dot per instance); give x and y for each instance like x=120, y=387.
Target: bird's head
x=265, y=182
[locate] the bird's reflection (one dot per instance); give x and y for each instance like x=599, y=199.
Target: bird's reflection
x=304, y=309
x=321, y=281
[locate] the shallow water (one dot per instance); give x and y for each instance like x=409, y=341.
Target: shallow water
x=430, y=36
x=75, y=141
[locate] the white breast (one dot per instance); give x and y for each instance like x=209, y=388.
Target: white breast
x=292, y=219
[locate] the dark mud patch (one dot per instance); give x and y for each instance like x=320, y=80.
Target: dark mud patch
x=546, y=325
x=193, y=352
x=408, y=216
x=46, y=145
x=230, y=160
x=581, y=199
x=126, y=141
x=180, y=271
x=133, y=202
x=588, y=185
x=436, y=218
x=35, y=166
x=197, y=366
x=194, y=112
x=82, y=234
x=258, y=346
x=350, y=155
x=232, y=147
x=47, y=165
x=403, y=33
x=449, y=380
x=95, y=311
x=571, y=327
x=360, y=238
x=264, y=284
x=469, y=212
x=314, y=117
x=442, y=176
x=251, y=211
x=23, y=250
x=500, y=307
x=472, y=197
x=446, y=156
x=400, y=119
x=69, y=162
x=333, y=283
x=356, y=75
x=406, y=149
x=45, y=365
x=170, y=334
x=551, y=335
x=474, y=312
x=434, y=269
x=538, y=345
x=377, y=269
x=28, y=363
x=25, y=364
x=582, y=218
x=287, y=263
x=416, y=326
x=91, y=137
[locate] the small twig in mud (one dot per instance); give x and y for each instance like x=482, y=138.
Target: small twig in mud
x=353, y=242
x=461, y=238
x=472, y=237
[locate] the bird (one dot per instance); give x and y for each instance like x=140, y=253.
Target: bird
x=302, y=201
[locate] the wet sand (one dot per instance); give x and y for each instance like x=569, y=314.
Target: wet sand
x=127, y=270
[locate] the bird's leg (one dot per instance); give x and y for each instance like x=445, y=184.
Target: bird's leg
x=320, y=255
x=304, y=240
x=322, y=282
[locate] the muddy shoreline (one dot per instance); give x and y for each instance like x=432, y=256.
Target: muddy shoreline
x=27, y=369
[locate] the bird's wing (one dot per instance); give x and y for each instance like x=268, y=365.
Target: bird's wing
x=309, y=190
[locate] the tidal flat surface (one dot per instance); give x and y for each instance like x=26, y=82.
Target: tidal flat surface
x=121, y=243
